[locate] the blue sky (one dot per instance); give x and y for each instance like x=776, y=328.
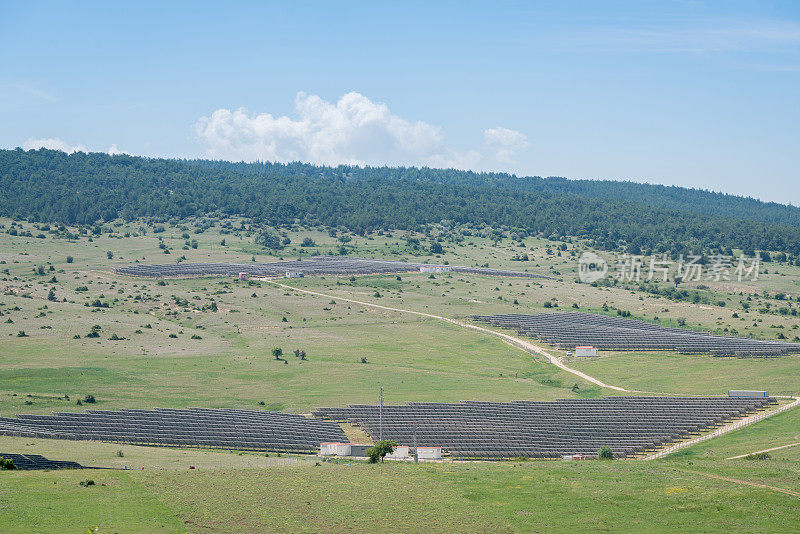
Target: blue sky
x=700, y=94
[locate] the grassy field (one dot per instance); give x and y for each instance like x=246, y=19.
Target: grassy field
x=782, y=429
x=207, y=342
x=225, y=494
x=657, y=372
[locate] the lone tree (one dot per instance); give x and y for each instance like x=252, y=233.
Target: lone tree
x=277, y=352
x=380, y=449
x=605, y=453
x=269, y=239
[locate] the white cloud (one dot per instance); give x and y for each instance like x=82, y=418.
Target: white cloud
x=114, y=150
x=54, y=143
x=505, y=143
x=354, y=130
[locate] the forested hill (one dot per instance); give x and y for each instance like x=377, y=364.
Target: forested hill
x=670, y=197
x=81, y=188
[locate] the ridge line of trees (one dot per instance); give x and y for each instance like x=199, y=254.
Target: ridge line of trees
x=79, y=188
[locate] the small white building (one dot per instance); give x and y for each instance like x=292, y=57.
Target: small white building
x=243, y=276
x=585, y=351
x=435, y=269
x=342, y=449
x=429, y=453
x=327, y=449
x=399, y=453
x=748, y=393
x=294, y=274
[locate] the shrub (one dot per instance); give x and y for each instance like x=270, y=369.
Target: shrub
x=89, y=399
x=69, y=259
x=7, y=464
x=758, y=456
x=22, y=333
x=605, y=453
x=120, y=454
x=86, y=483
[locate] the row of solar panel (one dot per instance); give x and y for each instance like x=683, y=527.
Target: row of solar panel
x=629, y=425
x=316, y=265
x=571, y=329
x=194, y=427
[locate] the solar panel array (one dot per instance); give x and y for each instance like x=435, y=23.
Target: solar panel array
x=35, y=461
x=571, y=329
x=192, y=427
x=487, y=430
x=316, y=265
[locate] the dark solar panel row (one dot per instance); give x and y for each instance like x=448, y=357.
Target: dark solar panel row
x=193, y=427
x=316, y=265
x=35, y=461
x=471, y=430
x=571, y=329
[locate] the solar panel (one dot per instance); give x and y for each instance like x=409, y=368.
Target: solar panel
x=628, y=425
x=193, y=427
x=571, y=329
x=316, y=265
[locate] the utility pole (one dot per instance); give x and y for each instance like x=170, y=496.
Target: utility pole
x=380, y=414
x=414, y=427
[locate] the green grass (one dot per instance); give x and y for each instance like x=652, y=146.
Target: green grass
x=781, y=429
x=694, y=374
x=55, y=502
x=413, y=358
x=619, y=496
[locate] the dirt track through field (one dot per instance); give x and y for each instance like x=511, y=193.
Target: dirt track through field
x=763, y=451
x=785, y=491
x=523, y=344
x=532, y=348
